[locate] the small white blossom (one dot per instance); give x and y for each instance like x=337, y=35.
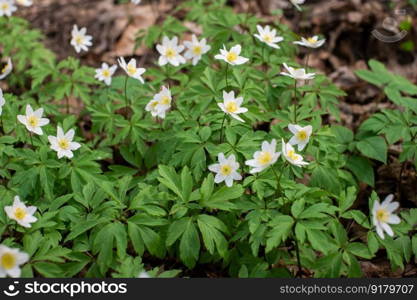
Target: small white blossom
x=195, y=49
x=170, y=52
x=297, y=74
x=10, y=261
x=160, y=103
x=131, y=69
x=63, y=143
x=105, y=73
x=226, y=170
x=135, y=1
x=33, y=120
x=264, y=158
x=144, y=274
x=80, y=41
x=301, y=135
x=297, y=3
x=2, y=102
x=292, y=157
x=268, y=36
x=21, y=213
x=7, y=69
x=232, y=56
x=232, y=105
x=26, y=3
x=7, y=8
x=382, y=216
x=311, y=42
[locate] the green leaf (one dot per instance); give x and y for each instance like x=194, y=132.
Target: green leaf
x=359, y=249
x=211, y=230
x=281, y=228
x=362, y=169
x=373, y=147
x=190, y=245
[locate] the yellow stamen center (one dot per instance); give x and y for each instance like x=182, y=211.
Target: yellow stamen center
x=4, y=69
x=197, y=50
x=264, y=158
x=292, y=155
x=154, y=104
x=267, y=38
x=131, y=70
x=106, y=73
x=382, y=215
x=225, y=170
x=63, y=144
x=79, y=39
x=170, y=53
x=33, y=121
x=312, y=40
x=165, y=100
x=302, y=135
x=231, y=56
x=5, y=6
x=8, y=261
x=231, y=107
x=19, y=213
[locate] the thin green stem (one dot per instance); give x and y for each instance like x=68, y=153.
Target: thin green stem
x=227, y=81
x=278, y=178
x=126, y=98
x=295, y=101
x=221, y=129
x=31, y=139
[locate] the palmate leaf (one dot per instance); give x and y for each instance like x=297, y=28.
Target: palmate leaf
x=212, y=230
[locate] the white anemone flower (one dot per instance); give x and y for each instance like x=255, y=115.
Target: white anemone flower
x=144, y=274
x=264, y=158
x=232, y=105
x=195, y=49
x=2, y=102
x=232, y=56
x=26, y=3
x=21, y=213
x=297, y=3
x=291, y=156
x=268, y=36
x=10, y=261
x=7, y=8
x=79, y=40
x=301, y=135
x=297, y=74
x=33, y=120
x=7, y=69
x=226, y=170
x=311, y=42
x=136, y=1
x=382, y=216
x=160, y=103
x=62, y=143
x=105, y=73
x=170, y=52
x=131, y=69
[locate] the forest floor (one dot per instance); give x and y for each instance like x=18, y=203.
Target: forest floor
x=346, y=24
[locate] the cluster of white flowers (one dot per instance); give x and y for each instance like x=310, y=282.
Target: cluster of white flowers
x=268, y=155
x=11, y=258
x=160, y=103
x=62, y=143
